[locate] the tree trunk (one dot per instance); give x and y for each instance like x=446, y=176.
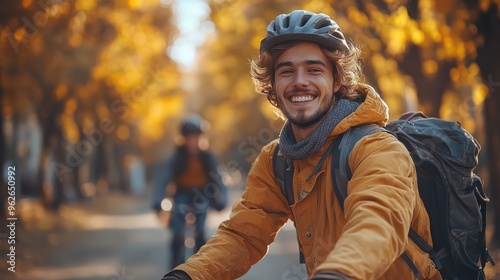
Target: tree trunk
x=53, y=146
x=492, y=117
x=430, y=90
x=489, y=62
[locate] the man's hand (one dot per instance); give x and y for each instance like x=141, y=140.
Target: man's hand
x=176, y=275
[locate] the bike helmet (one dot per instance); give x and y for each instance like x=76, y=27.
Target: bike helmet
x=193, y=125
x=304, y=25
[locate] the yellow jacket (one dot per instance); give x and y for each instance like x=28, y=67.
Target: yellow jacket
x=365, y=241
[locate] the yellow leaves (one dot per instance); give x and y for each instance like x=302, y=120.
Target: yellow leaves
x=269, y=110
x=153, y=119
x=467, y=93
x=319, y=6
x=36, y=45
x=448, y=47
x=393, y=87
x=417, y=36
x=448, y=108
x=429, y=22
x=139, y=4
x=454, y=48
x=225, y=119
x=397, y=42
x=454, y=108
x=463, y=75
x=27, y=3
x=70, y=129
x=102, y=111
x=484, y=5
x=123, y=132
x=430, y=67
x=233, y=19
x=243, y=90
x=479, y=94
x=126, y=66
x=134, y=46
x=75, y=40
x=70, y=106
x=397, y=30
x=374, y=45
x=127, y=81
x=223, y=116
x=400, y=17
x=443, y=39
x=256, y=41
x=390, y=81
x=223, y=22
x=221, y=82
x=19, y=34
x=61, y=91
x=357, y=17
x=455, y=75
x=134, y=4
x=85, y=5
x=259, y=26
x=382, y=64
x=87, y=121
x=124, y=62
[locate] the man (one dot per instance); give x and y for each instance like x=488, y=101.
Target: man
x=308, y=70
x=198, y=186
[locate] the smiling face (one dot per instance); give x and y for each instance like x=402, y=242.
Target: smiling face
x=304, y=84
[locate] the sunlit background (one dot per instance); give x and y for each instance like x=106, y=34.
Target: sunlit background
x=92, y=93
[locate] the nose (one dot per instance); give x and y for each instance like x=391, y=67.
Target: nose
x=301, y=79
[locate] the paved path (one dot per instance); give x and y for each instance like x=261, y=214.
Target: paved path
x=114, y=237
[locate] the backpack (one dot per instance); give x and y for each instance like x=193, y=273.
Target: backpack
x=445, y=156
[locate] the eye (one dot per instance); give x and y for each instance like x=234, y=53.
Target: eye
x=285, y=71
x=315, y=70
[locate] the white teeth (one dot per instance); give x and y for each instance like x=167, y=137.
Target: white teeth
x=302, y=98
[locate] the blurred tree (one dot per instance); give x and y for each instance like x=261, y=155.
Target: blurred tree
x=4, y=20
x=488, y=24
x=92, y=78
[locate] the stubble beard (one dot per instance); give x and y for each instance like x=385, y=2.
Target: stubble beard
x=300, y=121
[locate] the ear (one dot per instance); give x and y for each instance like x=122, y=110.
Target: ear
x=336, y=84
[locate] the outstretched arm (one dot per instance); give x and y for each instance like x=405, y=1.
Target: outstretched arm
x=243, y=239
x=382, y=195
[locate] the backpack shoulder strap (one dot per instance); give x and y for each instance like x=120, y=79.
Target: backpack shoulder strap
x=283, y=172
x=342, y=147
x=341, y=174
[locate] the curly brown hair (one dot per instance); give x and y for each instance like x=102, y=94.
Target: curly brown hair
x=347, y=67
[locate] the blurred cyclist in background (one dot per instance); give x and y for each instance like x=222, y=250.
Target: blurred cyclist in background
x=198, y=187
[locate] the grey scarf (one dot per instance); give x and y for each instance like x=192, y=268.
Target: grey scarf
x=299, y=150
